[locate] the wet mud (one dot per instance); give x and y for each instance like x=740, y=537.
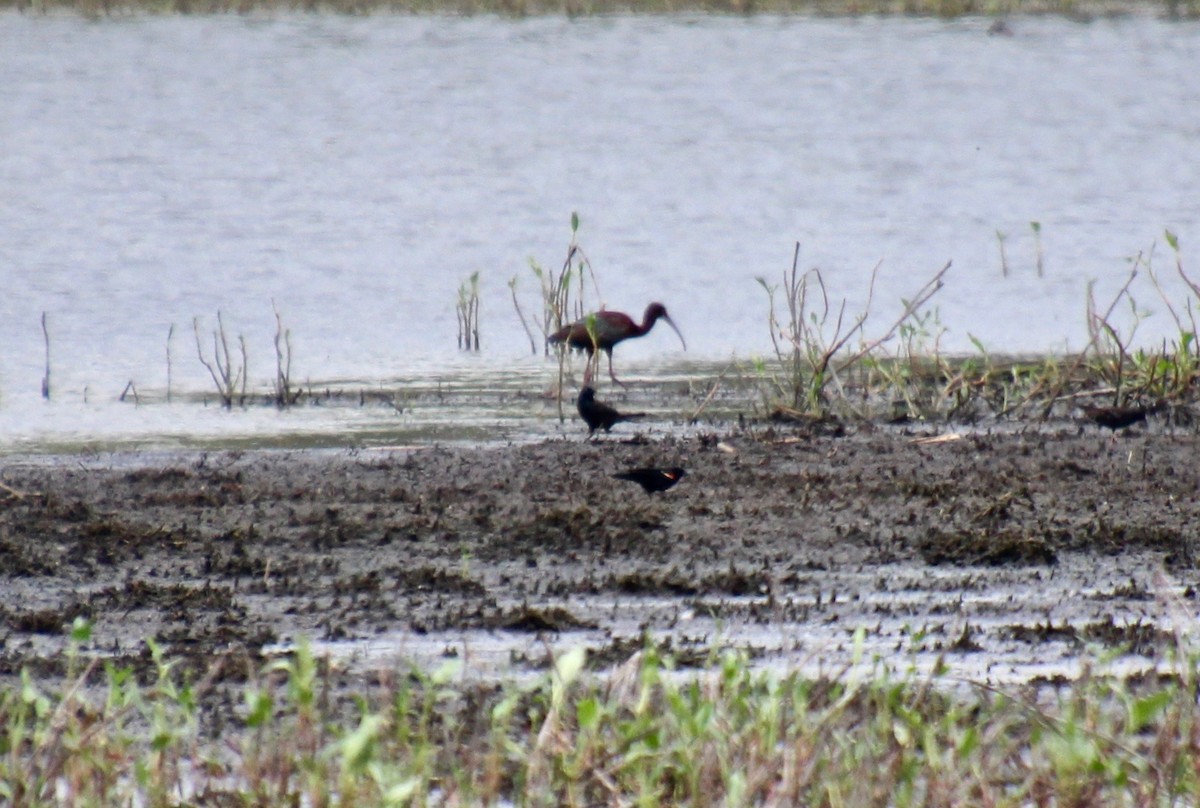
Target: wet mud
x=1003, y=555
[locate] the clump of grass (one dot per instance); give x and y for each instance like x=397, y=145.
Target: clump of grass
x=825, y=364
x=467, y=310
x=556, y=305
x=812, y=346
x=1110, y=369
x=644, y=733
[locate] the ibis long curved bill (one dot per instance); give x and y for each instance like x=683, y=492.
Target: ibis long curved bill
x=604, y=329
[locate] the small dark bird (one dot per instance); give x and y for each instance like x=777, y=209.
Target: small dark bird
x=599, y=415
x=653, y=480
x=1115, y=418
x=607, y=329
x=1000, y=27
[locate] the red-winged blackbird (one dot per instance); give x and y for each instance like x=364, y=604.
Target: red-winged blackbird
x=653, y=480
x=599, y=415
x=604, y=329
x=1115, y=418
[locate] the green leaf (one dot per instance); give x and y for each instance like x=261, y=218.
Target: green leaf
x=446, y=673
x=401, y=792
x=1145, y=710
x=574, y=221
x=570, y=664
x=588, y=713
x=81, y=630
x=968, y=743
x=359, y=746
x=1172, y=239
x=260, y=705
x=505, y=708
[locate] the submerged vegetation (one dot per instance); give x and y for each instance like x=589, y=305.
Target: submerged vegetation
x=295, y=731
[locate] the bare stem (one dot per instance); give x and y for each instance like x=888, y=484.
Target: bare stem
x=170, y=334
x=512, y=288
x=46, y=377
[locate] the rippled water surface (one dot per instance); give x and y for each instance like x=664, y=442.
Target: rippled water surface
x=353, y=171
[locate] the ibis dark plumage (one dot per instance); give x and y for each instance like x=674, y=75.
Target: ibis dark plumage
x=653, y=480
x=604, y=329
x=599, y=415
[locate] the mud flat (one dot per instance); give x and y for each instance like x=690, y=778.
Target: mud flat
x=1004, y=554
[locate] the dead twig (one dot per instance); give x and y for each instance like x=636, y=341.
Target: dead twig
x=716, y=385
x=12, y=492
x=46, y=377
x=221, y=367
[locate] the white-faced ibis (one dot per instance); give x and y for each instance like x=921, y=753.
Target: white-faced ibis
x=604, y=329
x=653, y=480
x=599, y=415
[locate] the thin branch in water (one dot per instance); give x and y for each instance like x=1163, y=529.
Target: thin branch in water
x=512, y=288
x=245, y=371
x=170, y=333
x=221, y=366
x=1037, y=240
x=46, y=377
x=284, y=395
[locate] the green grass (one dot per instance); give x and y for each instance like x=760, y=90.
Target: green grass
x=645, y=734
x=832, y=362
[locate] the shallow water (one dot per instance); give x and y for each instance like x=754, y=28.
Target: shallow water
x=354, y=171
x=914, y=626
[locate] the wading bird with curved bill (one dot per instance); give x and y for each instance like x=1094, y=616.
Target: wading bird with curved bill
x=604, y=329
x=598, y=415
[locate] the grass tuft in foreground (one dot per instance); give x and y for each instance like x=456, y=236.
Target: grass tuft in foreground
x=645, y=734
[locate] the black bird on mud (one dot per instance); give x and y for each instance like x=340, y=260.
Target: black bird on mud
x=653, y=480
x=599, y=415
x=1115, y=418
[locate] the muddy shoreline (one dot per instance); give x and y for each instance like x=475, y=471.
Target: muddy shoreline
x=1007, y=555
